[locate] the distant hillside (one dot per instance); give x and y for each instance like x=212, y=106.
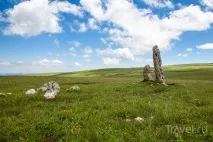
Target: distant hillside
x=200, y=71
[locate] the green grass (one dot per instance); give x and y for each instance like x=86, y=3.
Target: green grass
x=108, y=97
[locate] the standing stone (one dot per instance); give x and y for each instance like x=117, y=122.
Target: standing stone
x=147, y=75
x=157, y=65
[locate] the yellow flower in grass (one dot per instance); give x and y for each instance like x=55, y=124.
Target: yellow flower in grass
x=68, y=111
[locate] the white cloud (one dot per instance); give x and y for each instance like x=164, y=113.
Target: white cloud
x=31, y=18
x=189, y=49
x=208, y=3
x=205, y=46
x=94, y=7
x=88, y=50
x=76, y=26
x=82, y=27
x=75, y=43
x=5, y=63
x=111, y=61
x=72, y=51
x=56, y=42
x=92, y=24
x=123, y=53
x=182, y=55
x=77, y=64
x=140, y=29
x=86, y=55
x=46, y=62
x=138, y=59
x=103, y=40
x=159, y=3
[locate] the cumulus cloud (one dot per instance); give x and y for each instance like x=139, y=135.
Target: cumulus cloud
x=111, y=61
x=46, y=62
x=208, y=3
x=123, y=53
x=182, y=55
x=159, y=3
x=189, y=49
x=205, y=46
x=77, y=64
x=92, y=24
x=30, y=18
x=78, y=27
x=139, y=30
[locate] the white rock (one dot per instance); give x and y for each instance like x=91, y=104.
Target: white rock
x=49, y=87
x=30, y=92
x=128, y=120
x=139, y=119
x=75, y=88
x=50, y=95
x=43, y=89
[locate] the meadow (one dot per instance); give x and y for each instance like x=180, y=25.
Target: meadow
x=107, y=99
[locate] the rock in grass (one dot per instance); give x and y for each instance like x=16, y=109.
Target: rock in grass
x=139, y=119
x=159, y=74
x=128, y=120
x=50, y=94
x=30, y=92
x=51, y=89
x=50, y=86
x=147, y=75
x=75, y=88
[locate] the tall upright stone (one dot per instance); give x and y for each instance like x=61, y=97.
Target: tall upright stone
x=157, y=65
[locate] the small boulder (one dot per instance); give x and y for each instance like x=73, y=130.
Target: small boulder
x=147, y=75
x=75, y=88
x=50, y=94
x=139, y=119
x=50, y=86
x=30, y=92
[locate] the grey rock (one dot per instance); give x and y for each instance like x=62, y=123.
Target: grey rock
x=157, y=65
x=50, y=86
x=147, y=75
x=51, y=89
x=50, y=94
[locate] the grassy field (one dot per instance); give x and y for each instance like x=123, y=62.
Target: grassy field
x=107, y=99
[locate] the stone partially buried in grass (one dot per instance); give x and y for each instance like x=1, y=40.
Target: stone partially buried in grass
x=30, y=92
x=74, y=88
x=147, y=75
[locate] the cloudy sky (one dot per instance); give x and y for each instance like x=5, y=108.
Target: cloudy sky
x=60, y=36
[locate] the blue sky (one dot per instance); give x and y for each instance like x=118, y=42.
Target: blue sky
x=62, y=36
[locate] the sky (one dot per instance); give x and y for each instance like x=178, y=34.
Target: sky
x=38, y=36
